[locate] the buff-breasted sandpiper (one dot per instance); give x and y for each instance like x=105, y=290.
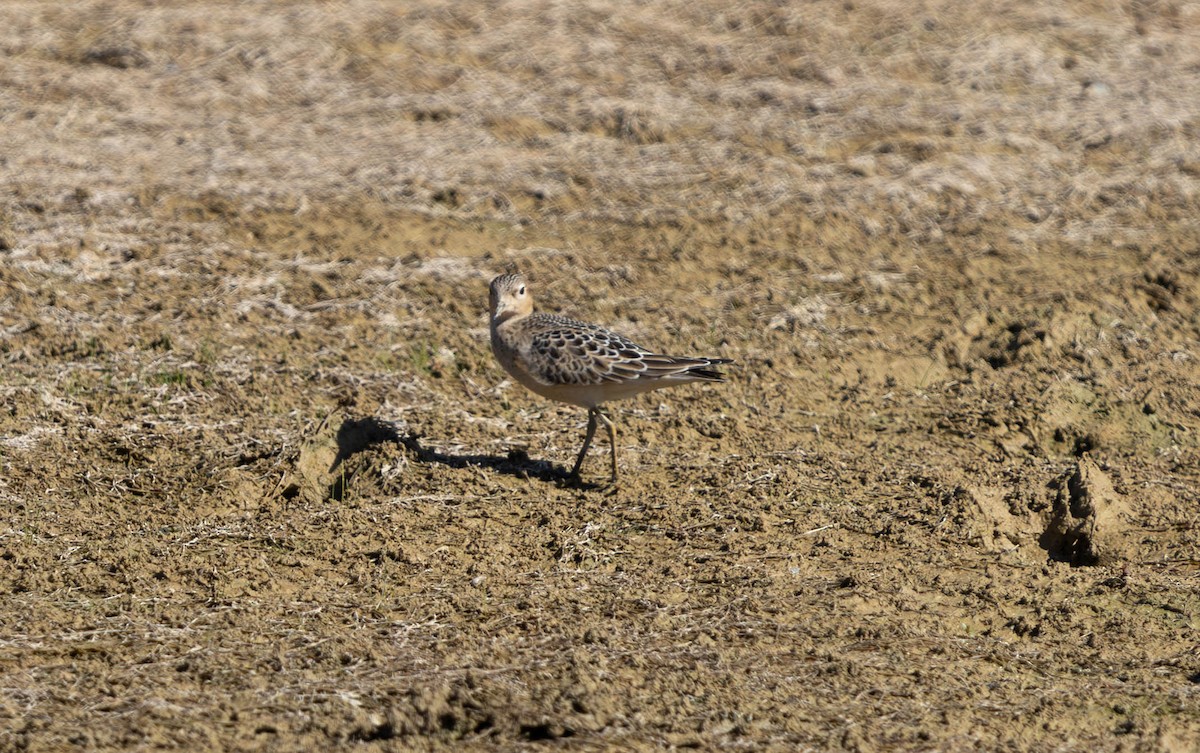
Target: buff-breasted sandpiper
x=579, y=363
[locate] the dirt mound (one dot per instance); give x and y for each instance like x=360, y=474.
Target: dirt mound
x=1089, y=519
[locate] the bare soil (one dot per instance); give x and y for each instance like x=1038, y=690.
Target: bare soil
x=263, y=487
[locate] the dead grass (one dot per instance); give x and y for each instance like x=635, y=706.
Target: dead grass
x=676, y=104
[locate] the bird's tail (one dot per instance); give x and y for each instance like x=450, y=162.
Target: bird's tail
x=682, y=368
x=703, y=370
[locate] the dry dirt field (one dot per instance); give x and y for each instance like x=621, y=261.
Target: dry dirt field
x=264, y=488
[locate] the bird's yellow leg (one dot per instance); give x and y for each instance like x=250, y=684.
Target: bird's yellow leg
x=612, y=440
x=587, y=441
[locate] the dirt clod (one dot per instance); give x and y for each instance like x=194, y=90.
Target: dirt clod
x=1089, y=520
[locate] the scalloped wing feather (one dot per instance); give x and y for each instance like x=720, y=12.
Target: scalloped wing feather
x=566, y=351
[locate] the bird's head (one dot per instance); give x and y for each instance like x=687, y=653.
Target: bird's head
x=510, y=297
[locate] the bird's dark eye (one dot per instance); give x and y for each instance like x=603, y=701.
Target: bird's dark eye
x=521, y=290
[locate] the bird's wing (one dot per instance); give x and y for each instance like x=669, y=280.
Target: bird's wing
x=566, y=351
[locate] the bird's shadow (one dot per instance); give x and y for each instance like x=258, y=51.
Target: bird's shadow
x=358, y=434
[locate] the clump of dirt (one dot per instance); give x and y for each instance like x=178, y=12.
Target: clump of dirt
x=1089, y=521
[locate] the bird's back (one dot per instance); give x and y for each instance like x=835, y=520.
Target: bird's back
x=578, y=362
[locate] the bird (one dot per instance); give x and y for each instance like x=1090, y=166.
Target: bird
x=579, y=363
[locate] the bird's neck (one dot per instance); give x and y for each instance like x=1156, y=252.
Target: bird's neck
x=506, y=316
